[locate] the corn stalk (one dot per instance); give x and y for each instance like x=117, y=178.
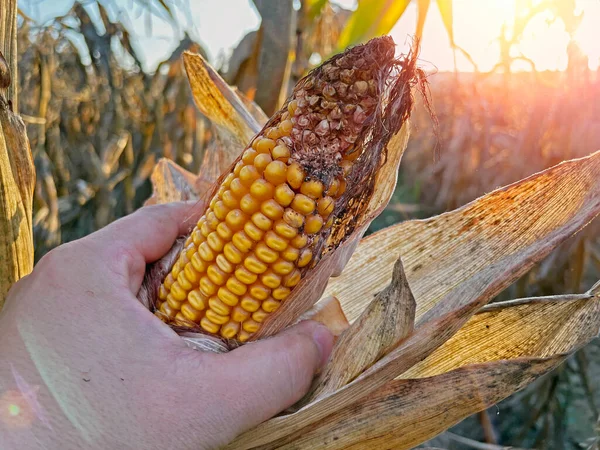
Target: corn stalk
x=17, y=174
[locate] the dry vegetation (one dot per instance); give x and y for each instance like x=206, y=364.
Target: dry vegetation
x=97, y=131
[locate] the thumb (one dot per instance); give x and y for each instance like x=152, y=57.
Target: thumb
x=276, y=372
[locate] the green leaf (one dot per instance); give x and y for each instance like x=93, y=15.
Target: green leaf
x=371, y=18
x=445, y=7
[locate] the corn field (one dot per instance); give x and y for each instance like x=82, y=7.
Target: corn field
x=97, y=131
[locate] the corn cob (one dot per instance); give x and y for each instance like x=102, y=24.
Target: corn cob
x=269, y=220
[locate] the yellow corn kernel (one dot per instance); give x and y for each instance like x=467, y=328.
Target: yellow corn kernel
x=238, y=167
x=215, y=317
x=270, y=305
x=190, y=250
x=162, y=292
x=243, y=336
x=249, y=204
x=212, y=220
x=232, y=253
x=273, y=133
x=218, y=306
x=216, y=275
x=275, y=241
x=191, y=274
x=236, y=219
x=333, y=187
x=230, y=329
x=265, y=254
x=325, y=206
x=262, y=190
x=215, y=242
x=313, y=224
x=207, y=287
x=295, y=175
x=276, y=172
x=255, y=265
x=303, y=204
x=205, y=252
x=249, y=175
x=173, y=303
x=272, y=209
x=251, y=326
x=238, y=189
x=224, y=264
x=220, y=210
x=253, y=231
x=299, y=241
x=312, y=188
x=249, y=304
x=239, y=314
x=305, y=257
x=286, y=125
x=197, y=237
x=264, y=145
x=176, y=269
x=293, y=218
x=198, y=263
x=197, y=299
x=190, y=313
x=261, y=221
x=259, y=292
x=227, y=180
x=284, y=230
x=270, y=279
x=260, y=315
x=248, y=156
x=245, y=276
x=242, y=241
x=236, y=286
x=184, y=282
x=178, y=292
x=209, y=326
x=229, y=199
x=281, y=293
x=341, y=188
x=227, y=297
x=290, y=253
x=169, y=281
x=167, y=310
x=284, y=194
x=292, y=279
x=281, y=153
x=205, y=229
x=292, y=106
x=282, y=267
x=261, y=162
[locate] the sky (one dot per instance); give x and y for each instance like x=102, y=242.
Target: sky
x=220, y=25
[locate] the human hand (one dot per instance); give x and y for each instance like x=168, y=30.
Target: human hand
x=85, y=365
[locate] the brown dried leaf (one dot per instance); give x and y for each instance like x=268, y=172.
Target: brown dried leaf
x=387, y=320
x=443, y=253
x=328, y=311
x=535, y=328
x=171, y=183
x=218, y=102
x=459, y=261
x=17, y=182
x=499, y=351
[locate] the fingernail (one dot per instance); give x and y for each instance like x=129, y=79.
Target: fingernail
x=324, y=340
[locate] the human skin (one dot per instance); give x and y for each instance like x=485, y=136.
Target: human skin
x=85, y=365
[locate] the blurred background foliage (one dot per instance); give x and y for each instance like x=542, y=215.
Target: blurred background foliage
x=99, y=120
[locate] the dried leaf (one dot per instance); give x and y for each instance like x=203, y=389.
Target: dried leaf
x=17, y=182
x=536, y=328
x=462, y=265
x=328, y=311
x=219, y=103
x=387, y=320
x=171, y=183
x=492, y=353
x=498, y=230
